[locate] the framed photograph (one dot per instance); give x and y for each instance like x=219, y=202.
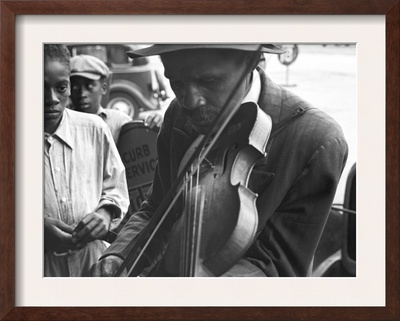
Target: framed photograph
x=370, y=26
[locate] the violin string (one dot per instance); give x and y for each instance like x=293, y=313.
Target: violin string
x=197, y=223
x=182, y=248
x=199, y=231
x=190, y=228
x=187, y=238
x=133, y=259
x=193, y=260
x=188, y=235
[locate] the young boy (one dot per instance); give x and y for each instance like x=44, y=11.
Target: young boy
x=84, y=178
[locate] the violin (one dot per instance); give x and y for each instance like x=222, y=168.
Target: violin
x=219, y=220
x=220, y=217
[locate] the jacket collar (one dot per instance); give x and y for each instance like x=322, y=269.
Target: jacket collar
x=270, y=97
x=254, y=93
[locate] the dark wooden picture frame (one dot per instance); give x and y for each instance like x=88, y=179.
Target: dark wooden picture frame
x=11, y=8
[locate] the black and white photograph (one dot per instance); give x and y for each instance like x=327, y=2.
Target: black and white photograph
x=200, y=160
x=165, y=163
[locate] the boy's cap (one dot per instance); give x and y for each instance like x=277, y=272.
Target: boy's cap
x=160, y=49
x=88, y=67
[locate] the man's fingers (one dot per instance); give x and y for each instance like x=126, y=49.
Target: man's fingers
x=93, y=226
x=64, y=227
x=83, y=235
x=94, y=234
x=66, y=239
x=87, y=218
x=107, y=267
x=153, y=120
x=57, y=236
x=57, y=231
x=99, y=231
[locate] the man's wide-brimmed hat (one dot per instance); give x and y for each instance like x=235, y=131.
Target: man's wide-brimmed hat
x=160, y=49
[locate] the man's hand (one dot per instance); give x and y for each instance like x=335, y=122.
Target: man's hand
x=107, y=267
x=57, y=235
x=154, y=120
x=92, y=227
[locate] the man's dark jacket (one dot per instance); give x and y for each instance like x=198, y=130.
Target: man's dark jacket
x=295, y=183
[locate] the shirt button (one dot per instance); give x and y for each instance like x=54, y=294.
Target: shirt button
x=50, y=139
x=64, y=199
x=58, y=169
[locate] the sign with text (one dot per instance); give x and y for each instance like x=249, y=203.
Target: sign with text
x=137, y=146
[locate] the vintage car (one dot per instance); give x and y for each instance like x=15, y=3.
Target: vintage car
x=135, y=84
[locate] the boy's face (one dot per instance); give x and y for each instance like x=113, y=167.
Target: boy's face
x=56, y=93
x=86, y=94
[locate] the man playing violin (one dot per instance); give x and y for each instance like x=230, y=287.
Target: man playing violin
x=295, y=181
